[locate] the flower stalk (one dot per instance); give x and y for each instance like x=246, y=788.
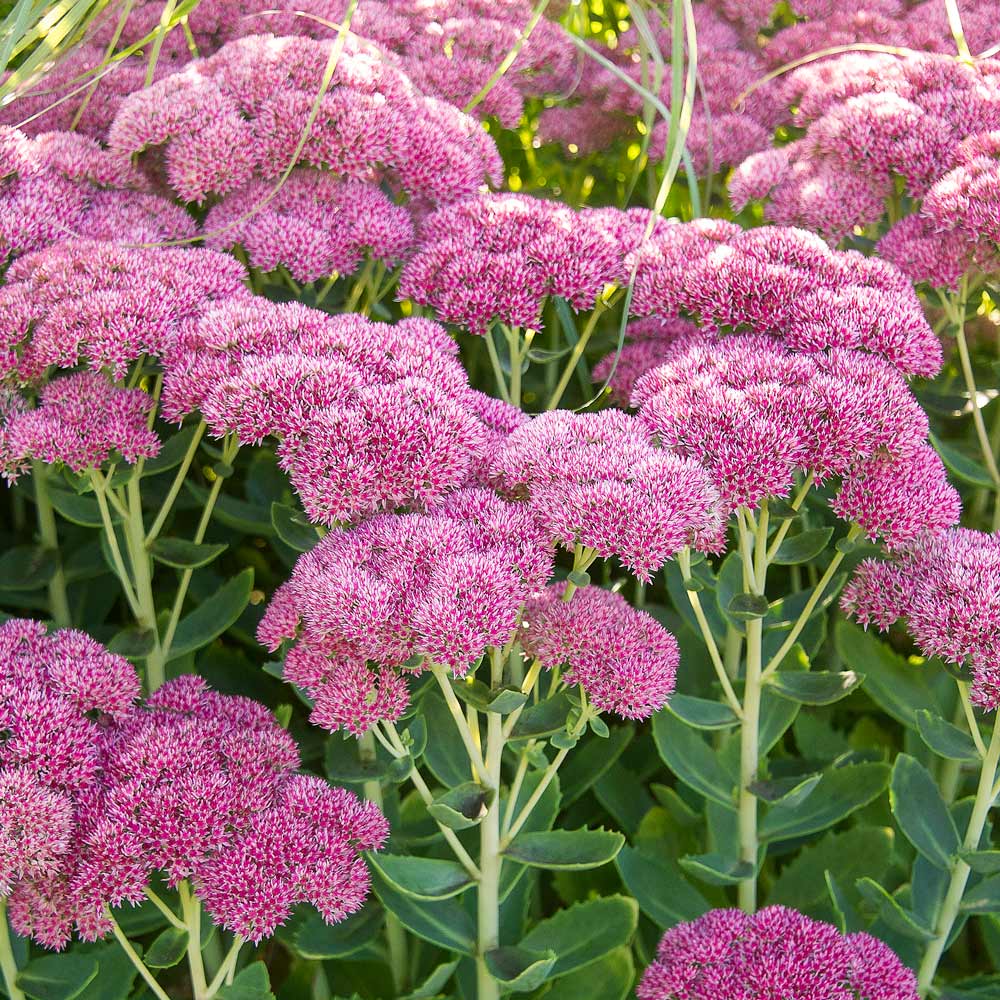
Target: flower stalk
x=49, y=537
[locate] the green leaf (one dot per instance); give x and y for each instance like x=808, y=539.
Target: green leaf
x=790, y=791
x=610, y=978
x=864, y=851
x=702, y=713
x=983, y=897
x=840, y=792
x=421, y=878
x=57, y=977
x=544, y=719
x=445, y=754
x=960, y=465
x=565, y=849
x=133, y=642
x=461, y=807
x=502, y=701
x=747, y=607
x=519, y=970
x=973, y=988
x=901, y=920
x=591, y=761
x=897, y=687
x=171, y=453
x=211, y=618
x=821, y=688
x=691, y=759
x=116, y=974
x=183, y=554
x=249, y=518
x=433, y=985
x=315, y=939
x=945, y=739
x=293, y=527
x=252, y=983
x=167, y=949
x=76, y=509
x=26, y=567
x=343, y=763
x=715, y=869
x=584, y=932
x=921, y=812
x=444, y=922
x=803, y=547
x=983, y=862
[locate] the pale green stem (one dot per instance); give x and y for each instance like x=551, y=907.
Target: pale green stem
x=172, y=917
x=112, y=537
x=684, y=561
x=126, y=946
x=426, y=795
x=175, y=486
x=49, y=536
x=491, y=350
x=516, y=359
x=7, y=964
x=733, y=651
x=395, y=937
x=191, y=907
x=779, y=535
x=581, y=345
x=810, y=606
x=960, y=869
x=226, y=971
x=508, y=60
x=951, y=770
x=451, y=699
x=161, y=34
x=970, y=717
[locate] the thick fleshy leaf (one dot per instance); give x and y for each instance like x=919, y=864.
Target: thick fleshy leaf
x=901, y=920
x=421, y=878
x=251, y=983
x=26, y=567
x=962, y=466
x=821, y=688
x=293, y=527
x=167, y=949
x=565, y=849
x=702, y=713
x=433, y=985
x=461, y=807
x=610, y=978
x=691, y=758
x=983, y=897
x=444, y=922
x=171, y=452
x=984, y=862
x=183, y=554
x=519, y=970
x=715, y=869
x=57, y=977
x=591, y=761
x=544, y=719
x=802, y=547
x=945, y=739
x=315, y=939
x=212, y=617
x=921, y=812
x=78, y=509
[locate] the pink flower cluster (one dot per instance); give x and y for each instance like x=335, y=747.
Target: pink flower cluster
x=240, y=115
x=370, y=604
x=756, y=415
x=203, y=786
x=947, y=589
x=61, y=698
x=869, y=119
x=94, y=303
x=98, y=793
x=777, y=952
x=64, y=428
x=785, y=282
x=499, y=256
x=61, y=185
x=315, y=225
x=370, y=417
x=594, y=480
x=624, y=659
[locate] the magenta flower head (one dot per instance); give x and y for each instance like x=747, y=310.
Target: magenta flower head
x=203, y=786
x=594, y=480
x=623, y=659
x=93, y=303
x=499, y=256
x=946, y=587
x=241, y=113
x=62, y=185
x=81, y=421
x=315, y=225
x=63, y=697
x=777, y=952
x=369, y=604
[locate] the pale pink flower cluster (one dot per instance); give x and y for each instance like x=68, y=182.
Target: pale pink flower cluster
x=756, y=415
x=777, y=952
x=240, y=115
x=785, y=282
x=594, y=480
x=81, y=421
x=203, y=786
x=98, y=304
x=500, y=256
x=60, y=185
x=946, y=588
x=869, y=119
x=62, y=696
x=370, y=417
x=370, y=604
x=624, y=659
x=314, y=224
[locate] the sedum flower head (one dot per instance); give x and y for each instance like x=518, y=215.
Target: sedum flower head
x=777, y=952
x=371, y=603
x=594, y=480
x=624, y=659
x=947, y=589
